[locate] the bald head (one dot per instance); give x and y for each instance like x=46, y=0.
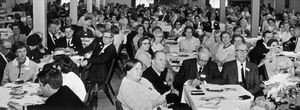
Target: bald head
x=203, y=56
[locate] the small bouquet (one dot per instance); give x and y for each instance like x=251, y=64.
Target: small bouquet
x=282, y=89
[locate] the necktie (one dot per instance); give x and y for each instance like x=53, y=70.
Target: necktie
x=243, y=77
x=199, y=74
x=68, y=43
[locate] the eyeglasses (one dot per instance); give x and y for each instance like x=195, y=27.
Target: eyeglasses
x=9, y=48
x=242, y=51
x=146, y=43
x=201, y=60
x=107, y=37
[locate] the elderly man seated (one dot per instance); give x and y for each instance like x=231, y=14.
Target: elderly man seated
x=198, y=71
x=241, y=71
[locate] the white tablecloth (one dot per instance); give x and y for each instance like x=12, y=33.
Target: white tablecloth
x=30, y=98
x=231, y=101
x=180, y=57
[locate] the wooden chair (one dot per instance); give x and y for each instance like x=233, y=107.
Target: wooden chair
x=106, y=86
x=118, y=105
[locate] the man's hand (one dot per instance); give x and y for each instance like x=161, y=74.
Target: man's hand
x=14, y=106
x=196, y=82
x=83, y=63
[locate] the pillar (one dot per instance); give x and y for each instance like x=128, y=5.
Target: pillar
x=98, y=4
x=255, y=18
x=73, y=11
x=89, y=6
x=40, y=18
x=222, y=11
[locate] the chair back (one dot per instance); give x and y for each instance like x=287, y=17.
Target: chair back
x=110, y=72
x=118, y=105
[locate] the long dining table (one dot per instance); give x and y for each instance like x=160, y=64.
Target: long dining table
x=217, y=97
x=25, y=94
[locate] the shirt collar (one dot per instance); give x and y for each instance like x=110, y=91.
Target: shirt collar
x=158, y=73
x=239, y=63
x=3, y=56
x=15, y=62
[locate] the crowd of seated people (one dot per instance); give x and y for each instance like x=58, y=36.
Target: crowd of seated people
x=224, y=55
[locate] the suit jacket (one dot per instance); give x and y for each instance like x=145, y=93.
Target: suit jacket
x=50, y=44
x=230, y=75
x=75, y=44
x=26, y=30
x=100, y=62
x=63, y=99
x=257, y=53
x=157, y=81
x=35, y=55
x=2, y=66
x=189, y=70
x=290, y=45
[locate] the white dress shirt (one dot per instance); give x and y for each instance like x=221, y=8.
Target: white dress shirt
x=239, y=66
x=75, y=84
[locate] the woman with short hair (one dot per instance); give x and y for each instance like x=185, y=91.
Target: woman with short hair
x=21, y=69
x=136, y=92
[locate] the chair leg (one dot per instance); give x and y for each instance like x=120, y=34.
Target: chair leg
x=111, y=89
x=106, y=91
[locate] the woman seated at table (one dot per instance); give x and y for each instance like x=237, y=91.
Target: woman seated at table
x=190, y=43
x=70, y=79
x=159, y=43
x=21, y=69
x=177, y=31
x=226, y=51
x=35, y=52
x=137, y=93
x=142, y=53
x=272, y=61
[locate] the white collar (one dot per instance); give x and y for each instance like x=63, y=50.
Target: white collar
x=239, y=63
x=26, y=63
x=158, y=73
x=3, y=57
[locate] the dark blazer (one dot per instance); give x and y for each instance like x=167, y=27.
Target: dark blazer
x=157, y=81
x=97, y=41
x=76, y=43
x=35, y=55
x=26, y=30
x=189, y=70
x=257, y=53
x=230, y=76
x=100, y=62
x=63, y=99
x=50, y=44
x=2, y=67
x=290, y=45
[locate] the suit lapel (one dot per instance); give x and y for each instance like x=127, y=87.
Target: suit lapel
x=193, y=69
x=235, y=72
x=247, y=71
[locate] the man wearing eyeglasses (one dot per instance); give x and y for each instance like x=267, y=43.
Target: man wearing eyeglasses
x=198, y=71
x=5, y=47
x=101, y=59
x=242, y=72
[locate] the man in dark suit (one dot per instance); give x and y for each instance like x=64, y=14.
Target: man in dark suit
x=198, y=70
x=291, y=44
x=241, y=71
x=5, y=46
x=156, y=74
x=69, y=41
x=59, y=97
x=51, y=38
x=259, y=51
x=101, y=59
